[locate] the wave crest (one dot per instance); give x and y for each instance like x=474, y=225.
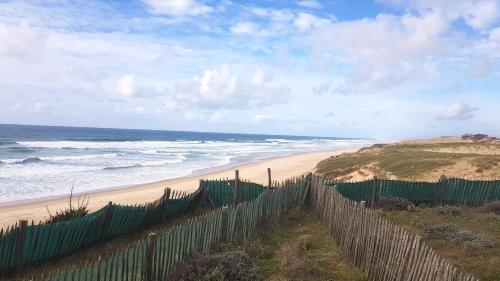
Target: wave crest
x=29, y=160
x=122, y=167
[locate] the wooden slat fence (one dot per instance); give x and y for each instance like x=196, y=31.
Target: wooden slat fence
x=156, y=258
x=380, y=248
x=35, y=243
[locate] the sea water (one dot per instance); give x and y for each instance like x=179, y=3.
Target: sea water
x=45, y=161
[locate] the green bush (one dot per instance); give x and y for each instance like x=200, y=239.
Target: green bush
x=450, y=233
x=227, y=266
x=72, y=212
x=448, y=211
x=393, y=204
x=492, y=207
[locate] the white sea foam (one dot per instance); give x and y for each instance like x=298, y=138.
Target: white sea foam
x=91, y=165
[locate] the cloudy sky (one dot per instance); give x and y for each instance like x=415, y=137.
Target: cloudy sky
x=384, y=69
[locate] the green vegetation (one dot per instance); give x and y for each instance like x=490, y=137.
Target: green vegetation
x=412, y=161
x=72, y=212
x=227, y=266
x=300, y=249
x=469, y=238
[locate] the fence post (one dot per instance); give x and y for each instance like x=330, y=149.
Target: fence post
x=21, y=235
x=224, y=224
x=269, y=180
x=162, y=211
x=375, y=192
x=439, y=200
x=150, y=249
x=307, y=196
x=236, y=186
x=107, y=219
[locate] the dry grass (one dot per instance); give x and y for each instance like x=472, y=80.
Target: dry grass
x=72, y=212
x=300, y=249
x=468, y=238
x=416, y=161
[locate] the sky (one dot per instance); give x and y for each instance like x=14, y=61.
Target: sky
x=386, y=69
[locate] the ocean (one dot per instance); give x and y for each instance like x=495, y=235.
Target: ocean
x=44, y=161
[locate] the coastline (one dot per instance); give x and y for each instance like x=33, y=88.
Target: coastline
x=282, y=167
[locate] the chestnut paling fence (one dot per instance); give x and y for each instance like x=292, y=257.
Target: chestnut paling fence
x=156, y=257
x=378, y=247
x=24, y=243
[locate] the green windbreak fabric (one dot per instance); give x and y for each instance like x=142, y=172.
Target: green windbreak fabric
x=451, y=191
x=42, y=241
x=222, y=191
x=416, y=192
x=170, y=248
x=37, y=243
x=359, y=191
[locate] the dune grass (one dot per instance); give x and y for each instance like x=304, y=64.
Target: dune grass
x=407, y=161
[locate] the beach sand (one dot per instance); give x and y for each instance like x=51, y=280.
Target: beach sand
x=282, y=168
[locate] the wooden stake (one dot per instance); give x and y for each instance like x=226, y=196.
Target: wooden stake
x=224, y=224
x=20, y=244
x=236, y=186
x=150, y=256
x=440, y=190
x=375, y=192
x=269, y=180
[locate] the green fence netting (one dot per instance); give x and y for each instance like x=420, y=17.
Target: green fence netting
x=39, y=242
x=236, y=223
x=447, y=192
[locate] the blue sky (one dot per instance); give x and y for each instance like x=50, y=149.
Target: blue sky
x=387, y=69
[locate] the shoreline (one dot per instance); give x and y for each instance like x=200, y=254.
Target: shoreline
x=282, y=167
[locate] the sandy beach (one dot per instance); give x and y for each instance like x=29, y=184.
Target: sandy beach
x=282, y=168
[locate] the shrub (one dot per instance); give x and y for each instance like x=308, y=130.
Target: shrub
x=393, y=204
x=492, y=207
x=454, y=235
x=305, y=241
x=227, y=266
x=80, y=210
x=448, y=211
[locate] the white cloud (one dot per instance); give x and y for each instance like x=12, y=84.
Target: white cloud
x=262, y=118
x=383, y=52
x=481, y=68
x=126, y=85
x=494, y=34
x=178, y=8
x=305, y=21
x=481, y=14
x=223, y=87
x=194, y=115
x=217, y=117
x=244, y=28
x=42, y=107
x=309, y=4
x=140, y=110
x=477, y=14
x=321, y=89
x=22, y=41
x=457, y=110
x=217, y=85
x=260, y=78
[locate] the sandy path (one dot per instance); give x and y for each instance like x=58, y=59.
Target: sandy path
x=282, y=168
